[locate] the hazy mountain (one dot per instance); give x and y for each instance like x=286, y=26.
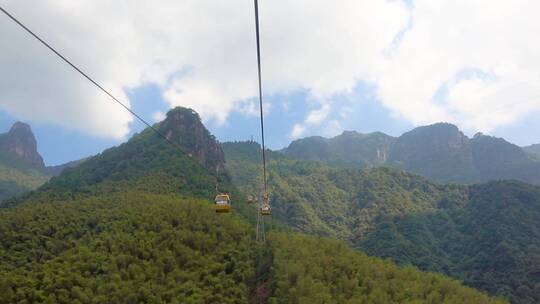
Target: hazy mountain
x=56, y=170
x=135, y=224
x=486, y=235
x=20, y=144
x=21, y=166
x=533, y=150
x=348, y=149
x=440, y=152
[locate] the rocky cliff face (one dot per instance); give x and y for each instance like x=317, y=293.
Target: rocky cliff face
x=20, y=143
x=184, y=126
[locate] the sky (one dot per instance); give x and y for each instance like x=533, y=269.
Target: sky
x=328, y=66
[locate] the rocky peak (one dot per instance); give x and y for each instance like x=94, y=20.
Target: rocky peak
x=20, y=142
x=439, y=151
x=350, y=134
x=478, y=135
x=493, y=153
x=184, y=127
x=442, y=136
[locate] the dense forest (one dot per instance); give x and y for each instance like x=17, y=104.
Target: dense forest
x=135, y=224
x=484, y=235
x=124, y=248
x=314, y=270
x=134, y=247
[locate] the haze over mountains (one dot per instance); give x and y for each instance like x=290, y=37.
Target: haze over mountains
x=533, y=150
x=440, y=152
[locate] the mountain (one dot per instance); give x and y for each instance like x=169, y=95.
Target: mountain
x=20, y=142
x=21, y=166
x=148, y=163
x=56, y=170
x=348, y=149
x=439, y=151
x=135, y=224
x=533, y=150
x=485, y=235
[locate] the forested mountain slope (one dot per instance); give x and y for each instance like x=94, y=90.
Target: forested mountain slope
x=439, y=151
x=135, y=224
x=136, y=247
x=314, y=270
x=21, y=167
x=123, y=248
x=148, y=163
x=486, y=235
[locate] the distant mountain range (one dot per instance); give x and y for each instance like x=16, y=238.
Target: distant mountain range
x=440, y=152
x=533, y=151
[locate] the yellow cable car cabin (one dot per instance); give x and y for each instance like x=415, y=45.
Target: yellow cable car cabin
x=222, y=203
x=265, y=209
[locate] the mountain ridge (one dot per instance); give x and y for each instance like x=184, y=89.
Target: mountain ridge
x=439, y=151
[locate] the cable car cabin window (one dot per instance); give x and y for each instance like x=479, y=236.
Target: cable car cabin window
x=222, y=202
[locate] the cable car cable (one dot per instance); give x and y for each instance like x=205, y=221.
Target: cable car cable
x=260, y=91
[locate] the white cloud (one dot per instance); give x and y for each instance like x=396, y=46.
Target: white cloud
x=124, y=44
x=297, y=131
x=313, y=119
x=497, y=38
x=332, y=128
x=201, y=53
x=158, y=116
x=316, y=117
